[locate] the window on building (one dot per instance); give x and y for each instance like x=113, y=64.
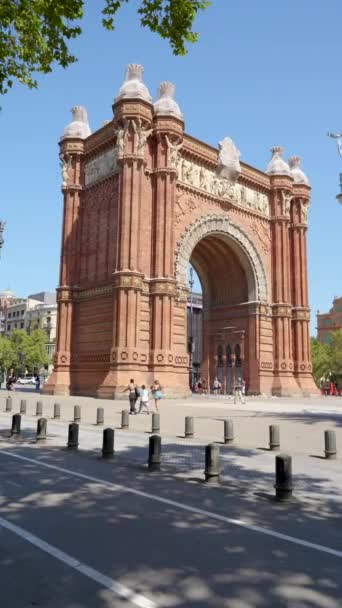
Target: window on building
x=21, y=325
x=9, y=315
x=22, y=313
x=8, y=327
x=15, y=325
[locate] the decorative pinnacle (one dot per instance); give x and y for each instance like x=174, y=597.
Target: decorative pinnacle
x=166, y=89
x=134, y=70
x=294, y=161
x=277, y=150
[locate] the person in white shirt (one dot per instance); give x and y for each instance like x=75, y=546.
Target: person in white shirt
x=144, y=396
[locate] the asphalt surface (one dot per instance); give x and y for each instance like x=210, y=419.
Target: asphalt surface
x=133, y=538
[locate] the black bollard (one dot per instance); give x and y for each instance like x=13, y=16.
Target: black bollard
x=100, y=415
x=189, y=426
x=154, y=451
x=23, y=406
x=108, y=443
x=73, y=436
x=124, y=419
x=330, y=445
x=212, y=463
x=274, y=437
x=39, y=408
x=9, y=404
x=228, y=431
x=16, y=424
x=283, y=472
x=77, y=413
x=56, y=410
x=41, y=429
x=155, y=423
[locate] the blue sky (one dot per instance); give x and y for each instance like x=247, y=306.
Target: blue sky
x=264, y=73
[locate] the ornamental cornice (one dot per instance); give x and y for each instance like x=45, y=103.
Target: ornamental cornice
x=163, y=286
x=303, y=227
x=72, y=146
x=300, y=314
x=128, y=280
x=103, y=137
x=95, y=292
x=164, y=171
x=281, y=309
x=71, y=188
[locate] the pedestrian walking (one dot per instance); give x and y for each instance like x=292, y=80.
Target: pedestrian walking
x=157, y=394
x=144, y=397
x=37, y=381
x=243, y=390
x=238, y=390
x=133, y=394
x=216, y=385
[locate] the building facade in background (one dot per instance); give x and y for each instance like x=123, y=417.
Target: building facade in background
x=142, y=201
x=329, y=322
x=38, y=311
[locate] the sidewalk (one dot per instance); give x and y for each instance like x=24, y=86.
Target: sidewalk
x=302, y=422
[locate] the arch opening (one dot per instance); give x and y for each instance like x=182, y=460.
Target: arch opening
x=219, y=319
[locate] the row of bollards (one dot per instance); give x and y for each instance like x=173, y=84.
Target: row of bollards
x=330, y=449
x=283, y=463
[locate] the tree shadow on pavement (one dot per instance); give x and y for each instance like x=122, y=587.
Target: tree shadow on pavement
x=177, y=557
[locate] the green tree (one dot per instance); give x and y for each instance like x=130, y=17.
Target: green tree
x=8, y=357
x=336, y=352
x=34, y=34
x=35, y=353
x=321, y=355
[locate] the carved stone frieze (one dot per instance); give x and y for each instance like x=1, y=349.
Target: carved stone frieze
x=206, y=180
x=100, y=167
x=221, y=224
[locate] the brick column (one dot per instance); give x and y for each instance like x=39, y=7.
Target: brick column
x=60, y=381
x=165, y=355
x=133, y=136
x=281, y=196
x=299, y=288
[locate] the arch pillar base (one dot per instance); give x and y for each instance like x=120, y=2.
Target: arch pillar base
x=308, y=386
x=285, y=385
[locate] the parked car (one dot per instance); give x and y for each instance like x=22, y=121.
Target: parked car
x=27, y=380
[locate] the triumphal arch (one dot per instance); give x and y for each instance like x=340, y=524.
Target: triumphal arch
x=142, y=200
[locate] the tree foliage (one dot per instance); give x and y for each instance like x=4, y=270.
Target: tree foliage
x=336, y=352
x=23, y=351
x=34, y=34
x=321, y=359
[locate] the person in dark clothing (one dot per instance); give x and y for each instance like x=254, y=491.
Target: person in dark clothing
x=133, y=395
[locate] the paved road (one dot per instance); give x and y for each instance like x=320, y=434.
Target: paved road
x=76, y=531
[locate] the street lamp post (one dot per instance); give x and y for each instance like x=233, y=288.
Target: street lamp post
x=2, y=226
x=338, y=137
x=191, y=337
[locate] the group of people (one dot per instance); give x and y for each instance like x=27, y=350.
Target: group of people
x=239, y=389
x=142, y=394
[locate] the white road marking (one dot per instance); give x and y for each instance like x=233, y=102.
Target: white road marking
x=184, y=507
x=117, y=589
